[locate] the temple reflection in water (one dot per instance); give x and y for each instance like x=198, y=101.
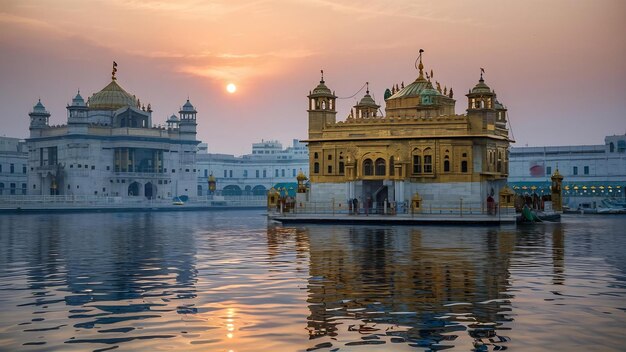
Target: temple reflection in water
x=363, y=276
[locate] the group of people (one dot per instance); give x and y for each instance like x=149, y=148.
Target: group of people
x=355, y=206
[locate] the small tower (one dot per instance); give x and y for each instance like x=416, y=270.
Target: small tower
x=39, y=119
x=480, y=97
x=187, y=124
x=77, y=111
x=172, y=122
x=367, y=107
x=556, y=191
x=321, y=109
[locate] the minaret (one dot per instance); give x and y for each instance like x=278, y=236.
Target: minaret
x=77, y=111
x=321, y=109
x=187, y=124
x=39, y=119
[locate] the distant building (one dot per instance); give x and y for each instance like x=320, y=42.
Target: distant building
x=591, y=172
x=13, y=166
x=110, y=147
x=419, y=148
x=252, y=174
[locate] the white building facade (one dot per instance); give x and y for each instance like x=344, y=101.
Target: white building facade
x=110, y=147
x=592, y=173
x=252, y=174
x=13, y=166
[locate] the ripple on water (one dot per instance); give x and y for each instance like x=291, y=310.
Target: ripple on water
x=194, y=281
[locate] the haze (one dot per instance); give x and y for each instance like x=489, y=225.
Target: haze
x=558, y=65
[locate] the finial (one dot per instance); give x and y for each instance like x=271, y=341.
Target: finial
x=367, y=90
x=421, y=66
x=482, y=70
x=322, y=80
x=114, y=71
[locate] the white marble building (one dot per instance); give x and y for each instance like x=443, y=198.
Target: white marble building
x=252, y=174
x=591, y=172
x=13, y=166
x=110, y=147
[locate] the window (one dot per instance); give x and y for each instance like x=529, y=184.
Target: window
x=293, y=173
x=315, y=155
x=330, y=169
x=428, y=164
x=245, y=173
x=108, y=167
x=12, y=186
x=380, y=167
x=341, y=168
x=368, y=167
x=282, y=172
x=446, y=164
x=23, y=188
x=275, y=172
x=2, y=188
x=464, y=166
x=264, y=173
x=0, y=168
x=230, y=173
x=23, y=169
x=586, y=170
x=417, y=164
x=316, y=168
x=330, y=157
x=225, y=173
x=93, y=167
x=611, y=147
x=549, y=170
x=257, y=173
x=575, y=170
x=12, y=168
x=206, y=173
x=392, y=165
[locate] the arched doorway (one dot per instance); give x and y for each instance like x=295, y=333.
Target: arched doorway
x=133, y=189
x=259, y=190
x=149, y=190
x=232, y=190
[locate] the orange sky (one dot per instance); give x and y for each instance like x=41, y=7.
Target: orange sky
x=559, y=66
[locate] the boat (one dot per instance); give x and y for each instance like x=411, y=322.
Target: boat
x=177, y=201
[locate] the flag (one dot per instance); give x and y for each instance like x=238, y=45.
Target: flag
x=482, y=70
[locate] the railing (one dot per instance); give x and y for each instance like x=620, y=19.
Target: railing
x=45, y=201
x=342, y=208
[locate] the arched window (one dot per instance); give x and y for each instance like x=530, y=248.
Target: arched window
x=417, y=164
x=316, y=168
x=464, y=166
x=368, y=168
x=446, y=164
x=428, y=161
x=315, y=155
x=392, y=165
x=380, y=167
x=341, y=164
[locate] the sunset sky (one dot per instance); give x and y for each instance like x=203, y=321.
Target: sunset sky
x=559, y=66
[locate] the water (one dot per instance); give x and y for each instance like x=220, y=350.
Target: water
x=228, y=281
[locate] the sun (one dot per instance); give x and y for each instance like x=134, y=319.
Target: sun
x=231, y=88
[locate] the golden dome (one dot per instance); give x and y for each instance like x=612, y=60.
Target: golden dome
x=111, y=97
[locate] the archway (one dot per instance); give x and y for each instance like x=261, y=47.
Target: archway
x=133, y=189
x=259, y=190
x=231, y=190
x=149, y=190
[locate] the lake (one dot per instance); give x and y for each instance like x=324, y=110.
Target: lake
x=229, y=281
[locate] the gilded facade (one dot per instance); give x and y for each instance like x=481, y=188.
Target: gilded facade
x=418, y=146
